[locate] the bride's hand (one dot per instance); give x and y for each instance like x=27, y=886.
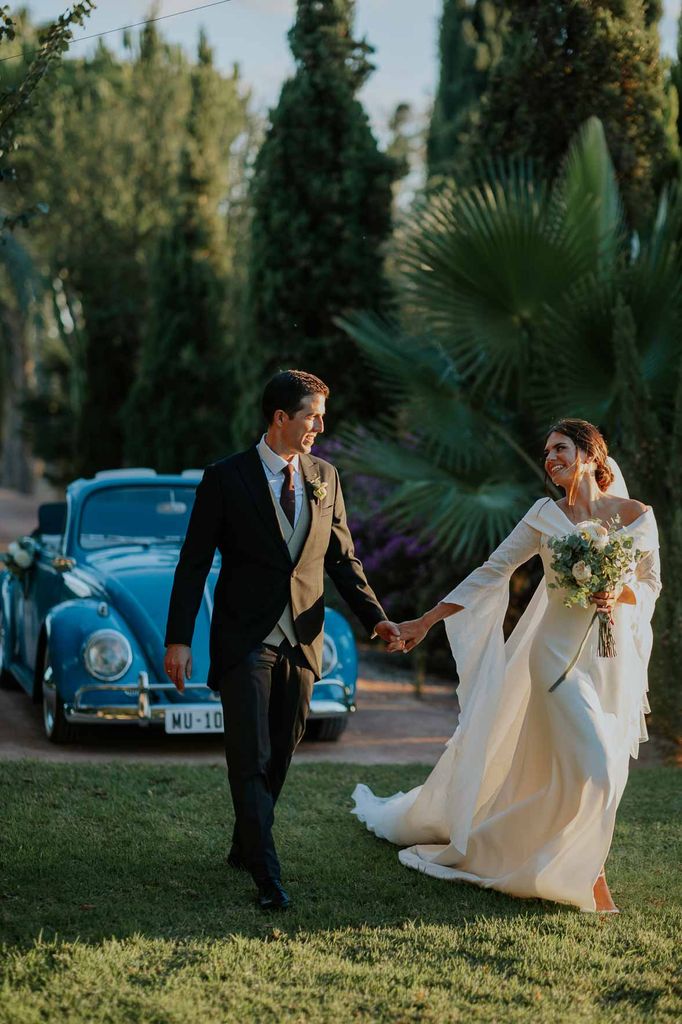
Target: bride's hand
x=412, y=632
x=605, y=600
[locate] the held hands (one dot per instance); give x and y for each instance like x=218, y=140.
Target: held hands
x=390, y=634
x=403, y=636
x=178, y=664
x=412, y=632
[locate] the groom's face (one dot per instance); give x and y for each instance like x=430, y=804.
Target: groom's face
x=300, y=430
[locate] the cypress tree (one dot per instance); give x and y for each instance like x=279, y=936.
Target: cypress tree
x=676, y=80
x=179, y=410
x=564, y=62
x=470, y=44
x=321, y=196
x=653, y=12
x=164, y=124
x=645, y=436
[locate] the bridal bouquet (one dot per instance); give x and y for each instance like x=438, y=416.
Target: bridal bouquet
x=19, y=558
x=594, y=558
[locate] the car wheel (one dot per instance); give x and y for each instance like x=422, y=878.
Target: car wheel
x=57, y=729
x=326, y=730
x=7, y=681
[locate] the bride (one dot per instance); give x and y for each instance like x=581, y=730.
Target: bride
x=524, y=797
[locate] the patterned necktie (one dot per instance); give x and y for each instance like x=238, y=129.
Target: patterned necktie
x=287, y=498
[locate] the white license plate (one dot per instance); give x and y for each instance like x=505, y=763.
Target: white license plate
x=194, y=718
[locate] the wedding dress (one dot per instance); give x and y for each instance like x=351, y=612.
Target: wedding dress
x=524, y=797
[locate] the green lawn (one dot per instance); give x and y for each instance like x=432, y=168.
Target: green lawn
x=116, y=906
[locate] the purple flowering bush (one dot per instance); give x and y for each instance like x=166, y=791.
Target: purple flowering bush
x=404, y=571
x=408, y=574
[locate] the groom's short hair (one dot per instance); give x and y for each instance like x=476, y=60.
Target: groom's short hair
x=287, y=389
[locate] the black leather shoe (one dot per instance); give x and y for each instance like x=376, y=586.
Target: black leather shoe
x=271, y=896
x=235, y=860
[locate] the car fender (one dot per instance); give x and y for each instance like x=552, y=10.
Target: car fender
x=67, y=629
x=6, y=613
x=339, y=630
x=141, y=625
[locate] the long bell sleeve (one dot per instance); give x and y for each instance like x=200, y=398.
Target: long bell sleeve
x=475, y=633
x=480, y=585
x=646, y=586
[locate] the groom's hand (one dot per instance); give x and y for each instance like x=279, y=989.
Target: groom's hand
x=390, y=634
x=413, y=632
x=178, y=664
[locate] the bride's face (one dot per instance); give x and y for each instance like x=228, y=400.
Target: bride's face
x=561, y=454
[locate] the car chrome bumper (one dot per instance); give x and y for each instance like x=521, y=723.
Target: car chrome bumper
x=141, y=713
x=144, y=713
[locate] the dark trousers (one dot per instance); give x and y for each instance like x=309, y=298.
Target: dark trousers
x=265, y=703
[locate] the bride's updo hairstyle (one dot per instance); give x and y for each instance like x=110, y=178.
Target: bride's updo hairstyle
x=590, y=441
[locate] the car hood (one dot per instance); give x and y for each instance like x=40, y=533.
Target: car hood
x=138, y=584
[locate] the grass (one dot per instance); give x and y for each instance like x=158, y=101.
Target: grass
x=116, y=906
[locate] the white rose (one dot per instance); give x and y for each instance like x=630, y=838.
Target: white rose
x=23, y=558
x=596, y=533
x=581, y=572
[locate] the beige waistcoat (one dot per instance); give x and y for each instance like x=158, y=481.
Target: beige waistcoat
x=295, y=538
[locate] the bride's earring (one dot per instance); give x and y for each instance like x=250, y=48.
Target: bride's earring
x=572, y=488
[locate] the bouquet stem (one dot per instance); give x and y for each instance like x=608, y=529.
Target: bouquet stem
x=606, y=647
x=577, y=655
x=607, y=641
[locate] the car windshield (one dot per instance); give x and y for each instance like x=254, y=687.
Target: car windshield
x=135, y=515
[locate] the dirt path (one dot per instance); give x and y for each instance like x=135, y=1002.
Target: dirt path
x=390, y=726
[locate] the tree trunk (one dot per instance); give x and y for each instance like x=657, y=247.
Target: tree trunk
x=15, y=461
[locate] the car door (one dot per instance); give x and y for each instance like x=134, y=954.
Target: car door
x=43, y=586
x=45, y=589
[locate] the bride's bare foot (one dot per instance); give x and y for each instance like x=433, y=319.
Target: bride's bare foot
x=602, y=896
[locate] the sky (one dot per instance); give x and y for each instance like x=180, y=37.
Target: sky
x=252, y=33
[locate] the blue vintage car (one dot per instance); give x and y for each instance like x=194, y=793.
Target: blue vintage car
x=83, y=606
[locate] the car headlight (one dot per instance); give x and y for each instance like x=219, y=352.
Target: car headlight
x=330, y=658
x=107, y=655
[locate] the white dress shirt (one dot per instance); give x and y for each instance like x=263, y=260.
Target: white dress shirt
x=273, y=464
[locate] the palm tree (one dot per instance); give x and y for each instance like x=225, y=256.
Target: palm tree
x=525, y=301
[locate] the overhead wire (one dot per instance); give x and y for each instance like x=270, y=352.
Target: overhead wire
x=125, y=28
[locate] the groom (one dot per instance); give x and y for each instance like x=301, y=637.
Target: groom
x=276, y=514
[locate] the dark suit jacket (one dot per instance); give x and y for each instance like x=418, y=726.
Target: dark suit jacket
x=234, y=512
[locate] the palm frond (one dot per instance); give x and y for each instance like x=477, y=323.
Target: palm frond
x=457, y=426
x=377, y=454
x=467, y=513
x=588, y=193
x=654, y=295
x=404, y=360
x=481, y=266
x=424, y=383
x=579, y=379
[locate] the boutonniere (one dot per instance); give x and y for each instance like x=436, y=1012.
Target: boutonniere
x=319, y=487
